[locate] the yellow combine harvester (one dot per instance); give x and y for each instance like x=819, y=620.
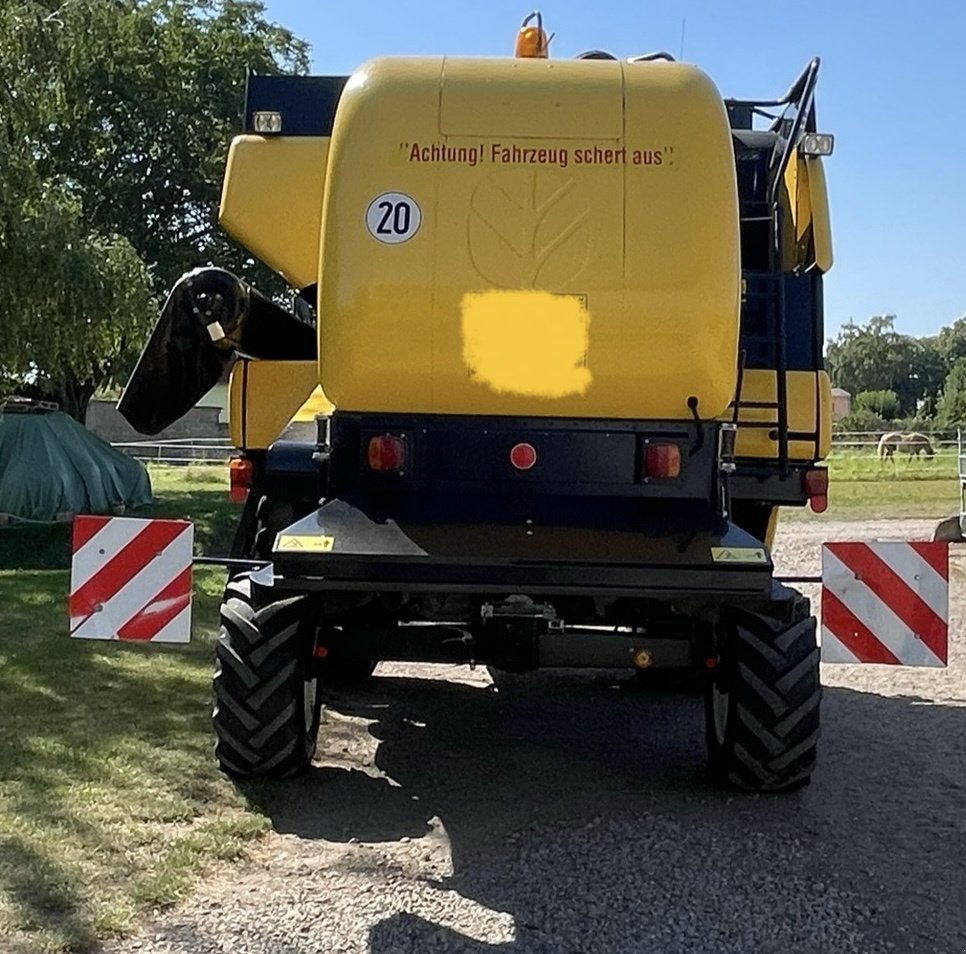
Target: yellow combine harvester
x=555, y=364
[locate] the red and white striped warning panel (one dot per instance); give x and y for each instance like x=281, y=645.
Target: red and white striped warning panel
x=131, y=579
x=885, y=603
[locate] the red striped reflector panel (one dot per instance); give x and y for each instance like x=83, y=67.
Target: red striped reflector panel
x=885, y=603
x=130, y=579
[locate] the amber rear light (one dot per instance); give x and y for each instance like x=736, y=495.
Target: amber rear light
x=387, y=454
x=662, y=460
x=815, y=485
x=240, y=475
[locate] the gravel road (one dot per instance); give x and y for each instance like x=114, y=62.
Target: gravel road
x=570, y=813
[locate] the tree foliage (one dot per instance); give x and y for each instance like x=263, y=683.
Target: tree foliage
x=152, y=93
x=951, y=342
x=115, y=118
x=883, y=403
x=876, y=357
x=84, y=321
x=952, y=405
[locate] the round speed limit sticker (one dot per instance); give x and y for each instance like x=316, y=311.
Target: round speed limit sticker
x=393, y=218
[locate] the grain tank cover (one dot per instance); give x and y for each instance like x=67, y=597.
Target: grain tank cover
x=532, y=237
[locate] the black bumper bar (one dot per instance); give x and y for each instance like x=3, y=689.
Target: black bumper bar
x=341, y=548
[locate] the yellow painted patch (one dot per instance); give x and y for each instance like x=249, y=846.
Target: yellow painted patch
x=313, y=544
x=531, y=343
x=738, y=555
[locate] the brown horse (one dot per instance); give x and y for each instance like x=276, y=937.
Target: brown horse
x=912, y=444
x=916, y=444
x=888, y=444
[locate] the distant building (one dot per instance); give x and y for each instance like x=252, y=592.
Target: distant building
x=841, y=404
x=207, y=420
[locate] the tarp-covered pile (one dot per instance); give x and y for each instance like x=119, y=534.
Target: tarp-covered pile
x=52, y=468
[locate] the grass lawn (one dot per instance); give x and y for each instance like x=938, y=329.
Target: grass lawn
x=861, y=487
x=110, y=801
x=109, y=798
x=875, y=499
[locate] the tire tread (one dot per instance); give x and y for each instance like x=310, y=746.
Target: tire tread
x=772, y=672
x=258, y=714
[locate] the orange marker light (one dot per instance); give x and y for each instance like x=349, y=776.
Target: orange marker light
x=387, y=454
x=662, y=460
x=241, y=473
x=815, y=484
x=532, y=42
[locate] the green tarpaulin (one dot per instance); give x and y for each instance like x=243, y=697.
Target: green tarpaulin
x=52, y=468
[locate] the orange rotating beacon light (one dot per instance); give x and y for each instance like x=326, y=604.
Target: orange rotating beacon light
x=532, y=41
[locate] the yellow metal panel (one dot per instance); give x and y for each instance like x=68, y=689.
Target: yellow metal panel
x=772, y=528
x=537, y=109
x=236, y=403
x=264, y=397
x=808, y=234
x=633, y=224
x=271, y=201
x=795, y=218
x=821, y=222
x=809, y=410
x=824, y=385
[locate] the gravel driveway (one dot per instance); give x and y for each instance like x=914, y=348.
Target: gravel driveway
x=570, y=813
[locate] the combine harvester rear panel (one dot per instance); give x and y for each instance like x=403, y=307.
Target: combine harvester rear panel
x=553, y=366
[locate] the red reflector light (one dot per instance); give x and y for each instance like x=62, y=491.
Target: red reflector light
x=662, y=460
x=523, y=456
x=240, y=474
x=387, y=454
x=815, y=485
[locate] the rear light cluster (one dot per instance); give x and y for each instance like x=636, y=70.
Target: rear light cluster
x=815, y=485
x=240, y=474
x=662, y=460
x=387, y=454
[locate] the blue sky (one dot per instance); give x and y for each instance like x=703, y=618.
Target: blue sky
x=892, y=89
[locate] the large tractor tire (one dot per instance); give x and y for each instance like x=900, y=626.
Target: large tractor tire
x=272, y=516
x=949, y=531
x=762, y=704
x=267, y=704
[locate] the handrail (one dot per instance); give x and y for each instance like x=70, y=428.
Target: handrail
x=803, y=112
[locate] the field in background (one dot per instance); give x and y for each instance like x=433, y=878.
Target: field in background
x=864, y=487
x=109, y=799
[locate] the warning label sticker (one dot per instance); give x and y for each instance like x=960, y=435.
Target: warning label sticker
x=320, y=544
x=738, y=555
x=498, y=154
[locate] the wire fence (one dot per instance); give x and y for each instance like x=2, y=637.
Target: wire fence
x=900, y=442
x=188, y=450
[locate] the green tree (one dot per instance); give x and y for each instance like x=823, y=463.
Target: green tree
x=84, y=321
x=952, y=405
x=115, y=118
x=951, y=342
x=151, y=92
x=876, y=357
x=883, y=403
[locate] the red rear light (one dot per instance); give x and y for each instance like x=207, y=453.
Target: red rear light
x=387, y=454
x=662, y=460
x=240, y=474
x=815, y=485
x=523, y=456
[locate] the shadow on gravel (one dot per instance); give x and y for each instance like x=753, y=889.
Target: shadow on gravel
x=579, y=805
